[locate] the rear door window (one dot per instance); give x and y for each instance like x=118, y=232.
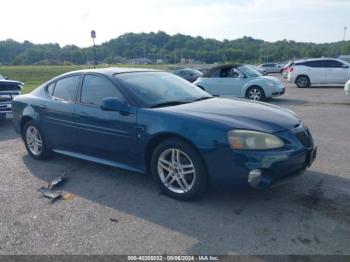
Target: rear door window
x=65, y=88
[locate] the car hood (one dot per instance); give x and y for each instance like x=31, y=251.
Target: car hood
x=9, y=85
x=241, y=114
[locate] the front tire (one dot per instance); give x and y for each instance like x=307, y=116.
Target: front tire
x=179, y=170
x=255, y=93
x=34, y=141
x=302, y=81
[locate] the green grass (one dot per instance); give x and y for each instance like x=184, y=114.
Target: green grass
x=33, y=76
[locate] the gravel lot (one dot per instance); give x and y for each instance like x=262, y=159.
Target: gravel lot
x=310, y=215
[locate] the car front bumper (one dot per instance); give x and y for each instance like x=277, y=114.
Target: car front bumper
x=279, y=92
x=5, y=111
x=262, y=169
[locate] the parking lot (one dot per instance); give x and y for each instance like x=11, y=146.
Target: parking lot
x=112, y=211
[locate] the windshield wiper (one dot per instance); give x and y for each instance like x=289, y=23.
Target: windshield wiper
x=169, y=103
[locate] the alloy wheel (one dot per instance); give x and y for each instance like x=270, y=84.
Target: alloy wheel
x=302, y=81
x=34, y=140
x=176, y=170
x=254, y=94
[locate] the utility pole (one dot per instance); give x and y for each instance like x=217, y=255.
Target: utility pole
x=267, y=54
x=93, y=36
x=345, y=28
x=260, y=56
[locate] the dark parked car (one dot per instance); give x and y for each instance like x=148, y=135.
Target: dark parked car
x=154, y=122
x=189, y=74
x=8, y=90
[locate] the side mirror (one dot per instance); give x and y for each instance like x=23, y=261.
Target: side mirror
x=345, y=66
x=114, y=104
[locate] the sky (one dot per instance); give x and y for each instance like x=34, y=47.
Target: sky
x=70, y=21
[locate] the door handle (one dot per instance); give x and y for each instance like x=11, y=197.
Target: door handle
x=83, y=115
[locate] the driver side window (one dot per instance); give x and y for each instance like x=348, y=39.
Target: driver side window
x=234, y=73
x=231, y=73
x=96, y=88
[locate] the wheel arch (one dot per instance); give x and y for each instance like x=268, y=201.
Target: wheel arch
x=253, y=85
x=159, y=138
x=295, y=81
x=24, y=120
x=248, y=84
x=29, y=114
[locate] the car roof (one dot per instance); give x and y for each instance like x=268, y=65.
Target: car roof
x=213, y=69
x=317, y=59
x=113, y=70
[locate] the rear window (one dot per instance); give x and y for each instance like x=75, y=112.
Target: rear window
x=333, y=64
x=319, y=63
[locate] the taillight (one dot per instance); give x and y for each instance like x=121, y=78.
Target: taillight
x=291, y=69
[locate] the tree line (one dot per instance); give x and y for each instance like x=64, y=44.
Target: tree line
x=169, y=49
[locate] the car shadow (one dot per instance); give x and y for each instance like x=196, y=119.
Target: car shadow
x=223, y=221
x=7, y=132
x=324, y=87
x=286, y=101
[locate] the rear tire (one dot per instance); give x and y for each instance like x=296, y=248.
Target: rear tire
x=179, y=170
x=302, y=81
x=255, y=93
x=34, y=141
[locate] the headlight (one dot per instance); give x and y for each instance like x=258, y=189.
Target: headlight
x=253, y=140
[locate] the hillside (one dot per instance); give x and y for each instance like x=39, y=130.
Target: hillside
x=168, y=48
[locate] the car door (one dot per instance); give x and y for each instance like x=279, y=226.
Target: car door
x=316, y=71
x=213, y=83
x=232, y=81
x=104, y=134
x=337, y=72
x=57, y=114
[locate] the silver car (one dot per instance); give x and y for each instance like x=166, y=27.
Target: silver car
x=239, y=81
x=272, y=68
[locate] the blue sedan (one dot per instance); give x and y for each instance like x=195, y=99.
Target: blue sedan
x=154, y=122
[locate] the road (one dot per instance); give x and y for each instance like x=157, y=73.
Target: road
x=309, y=215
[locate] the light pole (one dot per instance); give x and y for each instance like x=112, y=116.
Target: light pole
x=93, y=36
x=345, y=28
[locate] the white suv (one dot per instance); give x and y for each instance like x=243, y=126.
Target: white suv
x=319, y=71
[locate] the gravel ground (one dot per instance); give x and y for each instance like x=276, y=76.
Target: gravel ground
x=310, y=215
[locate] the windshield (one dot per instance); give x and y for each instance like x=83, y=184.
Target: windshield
x=195, y=72
x=249, y=71
x=159, y=88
